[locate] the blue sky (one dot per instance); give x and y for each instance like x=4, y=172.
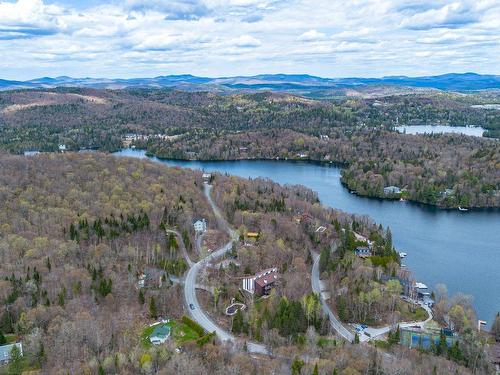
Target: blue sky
x=330, y=38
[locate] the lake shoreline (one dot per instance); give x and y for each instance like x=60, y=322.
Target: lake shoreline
x=435, y=239
x=322, y=163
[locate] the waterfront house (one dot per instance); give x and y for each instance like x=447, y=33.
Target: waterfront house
x=262, y=282
x=363, y=251
x=206, y=177
x=200, y=225
x=392, y=190
x=5, y=351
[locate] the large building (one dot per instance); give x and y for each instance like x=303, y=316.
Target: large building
x=262, y=282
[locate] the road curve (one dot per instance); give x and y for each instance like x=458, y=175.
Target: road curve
x=190, y=298
x=317, y=288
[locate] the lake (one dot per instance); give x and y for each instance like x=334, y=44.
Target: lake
x=459, y=249
x=476, y=131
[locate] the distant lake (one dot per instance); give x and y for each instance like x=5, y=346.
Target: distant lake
x=459, y=249
x=476, y=131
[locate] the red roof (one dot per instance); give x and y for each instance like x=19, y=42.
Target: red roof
x=267, y=278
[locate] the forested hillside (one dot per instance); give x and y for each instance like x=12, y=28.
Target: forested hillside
x=77, y=230
x=442, y=170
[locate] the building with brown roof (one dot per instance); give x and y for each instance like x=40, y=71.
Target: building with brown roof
x=262, y=282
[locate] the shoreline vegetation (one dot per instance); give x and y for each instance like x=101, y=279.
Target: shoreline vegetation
x=443, y=170
x=349, y=184
x=78, y=231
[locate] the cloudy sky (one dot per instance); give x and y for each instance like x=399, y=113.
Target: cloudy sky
x=330, y=38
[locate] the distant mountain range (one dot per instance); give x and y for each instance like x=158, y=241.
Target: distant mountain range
x=299, y=84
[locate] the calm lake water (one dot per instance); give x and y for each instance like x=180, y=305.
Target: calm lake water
x=476, y=131
x=459, y=249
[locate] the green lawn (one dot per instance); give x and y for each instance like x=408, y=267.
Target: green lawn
x=180, y=333
x=410, y=312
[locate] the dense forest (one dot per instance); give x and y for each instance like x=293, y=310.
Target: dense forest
x=443, y=170
x=77, y=230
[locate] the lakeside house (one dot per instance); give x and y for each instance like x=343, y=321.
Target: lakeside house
x=422, y=294
x=206, y=177
x=5, y=351
x=363, y=252
x=200, y=225
x=388, y=190
x=262, y=282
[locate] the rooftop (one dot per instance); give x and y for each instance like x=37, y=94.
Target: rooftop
x=266, y=278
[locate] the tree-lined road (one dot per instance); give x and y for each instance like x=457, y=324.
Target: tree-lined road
x=317, y=287
x=193, y=306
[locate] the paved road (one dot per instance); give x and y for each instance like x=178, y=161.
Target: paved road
x=190, y=298
x=317, y=287
x=376, y=332
x=180, y=241
x=342, y=329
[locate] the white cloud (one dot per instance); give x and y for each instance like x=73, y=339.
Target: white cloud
x=231, y=37
x=311, y=35
x=246, y=41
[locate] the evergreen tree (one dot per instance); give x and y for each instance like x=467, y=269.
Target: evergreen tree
x=356, y=339
x=153, y=312
x=324, y=259
x=49, y=266
x=315, y=371
x=40, y=355
x=3, y=340
x=495, y=328
x=238, y=322
x=15, y=362
x=141, y=297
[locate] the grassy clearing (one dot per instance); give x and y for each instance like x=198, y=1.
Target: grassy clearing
x=410, y=312
x=180, y=332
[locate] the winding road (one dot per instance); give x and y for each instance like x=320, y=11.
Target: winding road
x=317, y=287
x=193, y=306
x=341, y=329
x=197, y=313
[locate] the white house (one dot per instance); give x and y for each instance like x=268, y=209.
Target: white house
x=392, y=190
x=200, y=225
x=5, y=351
x=206, y=177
